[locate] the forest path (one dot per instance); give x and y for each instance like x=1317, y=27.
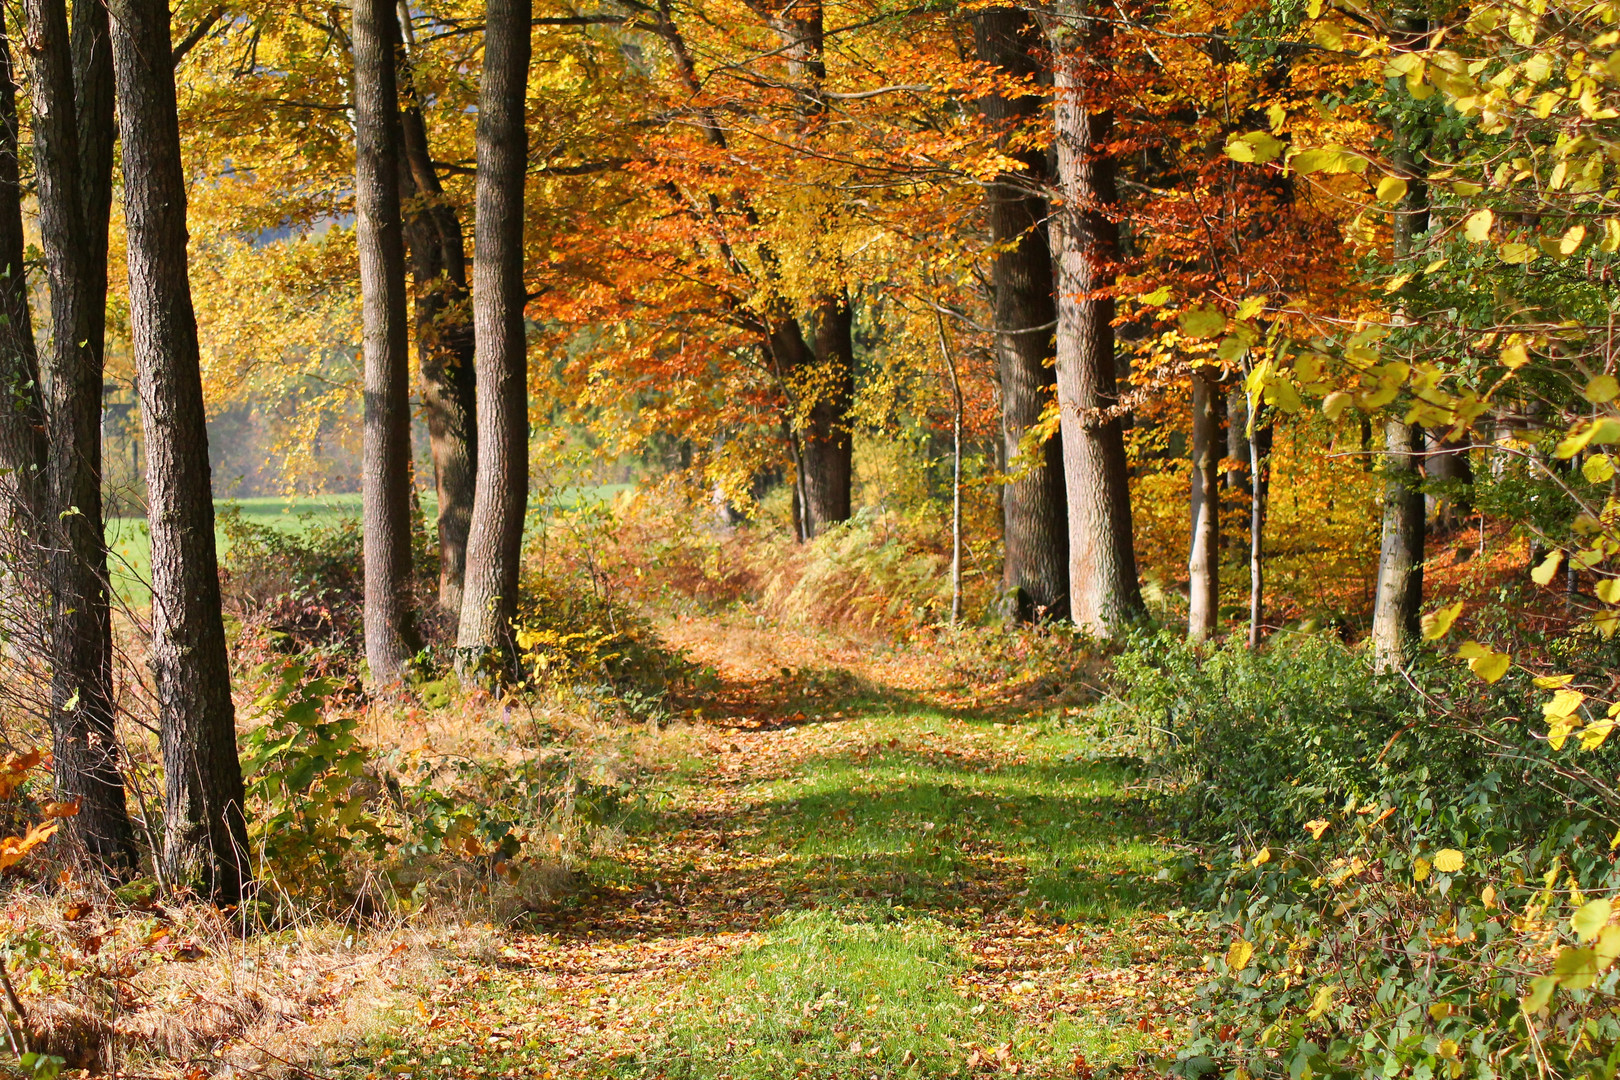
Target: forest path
x=842, y=869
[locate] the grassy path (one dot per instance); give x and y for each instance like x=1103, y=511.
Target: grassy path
x=839, y=871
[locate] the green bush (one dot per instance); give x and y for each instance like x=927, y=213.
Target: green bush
x=1400, y=877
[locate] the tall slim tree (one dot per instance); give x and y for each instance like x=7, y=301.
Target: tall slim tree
x=1035, y=568
x=1103, y=588
x=444, y=334
x=495, y=542
x=1399, y=593
x=205, y=831
x=385, y=477
x=71, y=155
x=22, y=414
x=1204, y=561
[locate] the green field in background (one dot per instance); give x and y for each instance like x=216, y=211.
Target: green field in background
x=130, y=545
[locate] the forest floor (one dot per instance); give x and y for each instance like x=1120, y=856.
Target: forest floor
x=848, y=864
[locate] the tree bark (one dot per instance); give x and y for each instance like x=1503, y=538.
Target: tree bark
x=385, y=469
x=1448, y=462
x=205, y=832
x=22, y=413
x=1204, y=561
x=1259, y=444
x=1399, y=593
x=1035, y=570
x=1104, y=593
x=495, y=541
x=1237, y=440
x=827, y=446
x=444, y=340
x=66, y=153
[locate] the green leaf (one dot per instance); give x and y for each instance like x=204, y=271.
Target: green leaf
x=1202, y=322
x=1591, y=919
x=1601, y=390
x=1541, y=992
x=1576, y=968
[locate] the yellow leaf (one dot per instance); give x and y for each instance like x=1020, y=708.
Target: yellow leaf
x=1448, y=1048
x=1571, y=240
x=1317, y=828
x=1515, y=254
x=1449, y=860
x=1598, y=469
x=1391, y=190
x=1437, y=623
x=1334, y=404
x=1420, y=869
x=1602, y=389
x=1611, y=235
x=1563, y=703
x=1608, y=590
x=1490, y=667
x=1608, y=945
x=1239, y=955
x=1396, y=282
x=1594, y=734
x=1543, y=574
x=1478, y=226
x=1553, y=682
x=1487, y=897
x=1515, y=357
x=1321, y=1002
x=1263, y=857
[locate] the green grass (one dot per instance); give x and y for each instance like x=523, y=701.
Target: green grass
x=130, y=545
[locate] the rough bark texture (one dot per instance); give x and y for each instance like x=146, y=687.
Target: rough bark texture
x=385, y=461
x=1400, y=559
x=205, y=833
x=444, y=342
x=66, y=157
x=1259, y=495
x=1035, y=570
x=1204, y=561
x=1103, y=590
x=495, y=541
x=22, y=414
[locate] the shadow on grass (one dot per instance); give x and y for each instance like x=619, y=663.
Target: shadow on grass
x=906, y=826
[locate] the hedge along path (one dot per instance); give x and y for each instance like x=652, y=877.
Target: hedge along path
x=840, y=870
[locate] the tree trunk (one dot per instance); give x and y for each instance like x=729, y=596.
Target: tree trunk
x=1035, y=570
x=1259, y=443
x=495, y=541
x=1237, y=440
x=385, y=469
x=84, y=736
x=444, y=340
x=22, y=413
x=205, y=833
x=1399, y=592
x=1204, y=563
x=826, y=446
x=1448, y=462
x=1103, y=590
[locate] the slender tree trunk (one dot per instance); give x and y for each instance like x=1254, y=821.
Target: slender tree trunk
x=956, y=468
x=444, y=340
x=1035, y=571
x=495, y=542
x=1103, y=590
x=1448, y=462
x=22, y=413
x=1204, y=563
x=1259, y=441
x=1399, y=593
x=205, y=832
x=85, y=740
x=385, y=470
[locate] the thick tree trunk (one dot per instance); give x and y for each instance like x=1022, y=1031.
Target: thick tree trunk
x=1103, y=590
x=385, y=469
x=495, y=542
x=1035, y=570
x=1237, y=440
x=1399, y=592
x=444, y=342
x=22, y=413
x=826, y=446
x=205, y=832
x=84, y=738
x=1448, y=462
x=1204, y=562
